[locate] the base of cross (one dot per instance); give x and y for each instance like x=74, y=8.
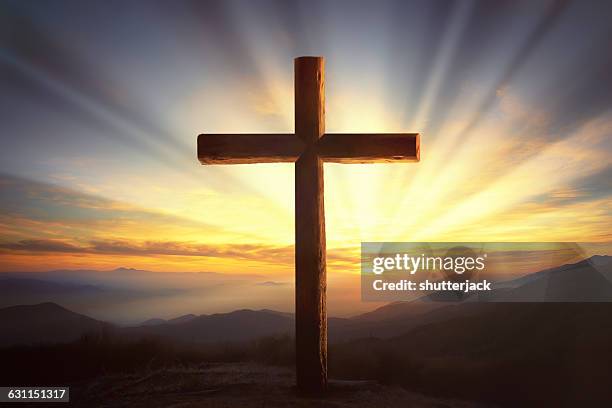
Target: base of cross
x=308, y=148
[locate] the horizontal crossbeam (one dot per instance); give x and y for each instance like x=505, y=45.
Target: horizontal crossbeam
x=369, y=147
x=286, y=148
x=248, y=148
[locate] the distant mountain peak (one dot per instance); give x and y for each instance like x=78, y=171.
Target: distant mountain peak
x=153, y=322
x=276, y=312
x=124, y=269
x=271, y=283
x=41, y=307
x=44, y=322
x=599, y=259
x=183, y=318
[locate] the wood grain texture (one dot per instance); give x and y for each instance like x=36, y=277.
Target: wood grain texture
x=248, y=148
x=309, y=147
x=310, y=275
x=369, y=147
x=310, y=272
x=309, y=98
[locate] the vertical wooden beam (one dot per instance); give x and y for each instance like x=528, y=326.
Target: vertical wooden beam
x=310, y=275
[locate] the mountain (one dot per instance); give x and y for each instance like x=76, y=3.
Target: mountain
x=182, y=319
x=240, y=325
x=524, y=354
x=599, y=260
x=398, y=310
x=595, y=261
x=589, y=280
x=44, y=323
x=286, y=314
x=586, y=280
x=156, y=321
x=153, y=322
x=499, y=350
x=129, y=296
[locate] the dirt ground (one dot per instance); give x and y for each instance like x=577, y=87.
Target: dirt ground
x=239, y=385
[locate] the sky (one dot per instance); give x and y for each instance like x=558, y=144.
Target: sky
x=101, y=104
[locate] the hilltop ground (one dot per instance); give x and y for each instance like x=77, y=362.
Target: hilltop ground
x=239, y=385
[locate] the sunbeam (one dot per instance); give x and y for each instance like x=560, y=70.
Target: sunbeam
x=509, y=100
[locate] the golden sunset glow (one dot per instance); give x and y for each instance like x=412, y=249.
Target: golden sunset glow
x=503, y=182
x=116, y=182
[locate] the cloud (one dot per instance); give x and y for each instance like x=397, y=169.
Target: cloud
x=42, y=245
x=153, y=248
x=73, y=228
x=32, y=210
x=238, y=251
x=248, y=252
x=124, y=247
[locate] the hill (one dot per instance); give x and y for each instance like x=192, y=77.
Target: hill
x=583, y=281
x=44, y=323
x=509, y=353
x=589, y=280
x=242, y=385
x=237, y=326
x=156, y=320
x=518, y=354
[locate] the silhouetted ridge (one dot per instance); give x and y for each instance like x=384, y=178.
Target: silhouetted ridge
x=44, y=323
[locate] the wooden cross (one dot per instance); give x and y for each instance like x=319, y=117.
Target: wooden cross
x=309, y=147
